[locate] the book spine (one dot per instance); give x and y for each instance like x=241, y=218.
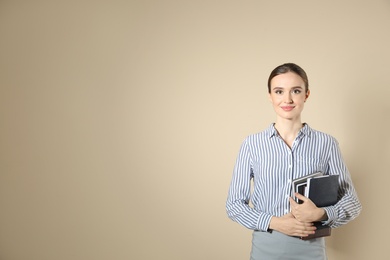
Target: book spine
x=322, y=232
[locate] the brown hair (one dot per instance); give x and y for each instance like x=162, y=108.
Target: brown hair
x=288, y=67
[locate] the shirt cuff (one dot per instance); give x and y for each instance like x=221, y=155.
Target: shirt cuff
x=332, y=215
x=264, y=221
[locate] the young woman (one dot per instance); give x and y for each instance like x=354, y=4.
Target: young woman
x=286, y=150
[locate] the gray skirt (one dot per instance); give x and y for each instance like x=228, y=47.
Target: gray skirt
x=276, y=245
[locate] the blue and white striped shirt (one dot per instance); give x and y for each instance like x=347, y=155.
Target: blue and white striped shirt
x=267, y=160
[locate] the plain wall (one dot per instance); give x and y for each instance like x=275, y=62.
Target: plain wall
x=120, y=121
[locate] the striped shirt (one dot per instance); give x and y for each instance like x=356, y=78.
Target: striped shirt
x=267, y=161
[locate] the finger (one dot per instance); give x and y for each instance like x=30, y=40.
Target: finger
x=292, y=202
x=310, y=230
x=300, y=196
x=308, y=227
x=307, y=233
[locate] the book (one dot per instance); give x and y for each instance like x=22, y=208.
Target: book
x=323, y=191
x=321, y=231
x=299, y=184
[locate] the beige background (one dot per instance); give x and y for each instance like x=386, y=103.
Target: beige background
x=120, y=121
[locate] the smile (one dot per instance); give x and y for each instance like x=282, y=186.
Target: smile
x=287, y=108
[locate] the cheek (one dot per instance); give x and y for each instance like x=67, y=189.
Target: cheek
x=274, y=102
x=300, y=99
x=274, y=99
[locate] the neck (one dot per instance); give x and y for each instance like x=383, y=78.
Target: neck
x=288, y=129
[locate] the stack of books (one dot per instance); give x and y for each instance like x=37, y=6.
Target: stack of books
x=322, y=190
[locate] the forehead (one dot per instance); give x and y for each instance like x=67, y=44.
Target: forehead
x=287, y=80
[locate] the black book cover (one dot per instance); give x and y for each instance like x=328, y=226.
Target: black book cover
x=299, y=184
x=323, y=191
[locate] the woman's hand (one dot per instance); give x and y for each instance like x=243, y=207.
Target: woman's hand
x=307, y=211
x=289, y=225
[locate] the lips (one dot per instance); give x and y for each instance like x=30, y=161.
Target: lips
x=287, y=108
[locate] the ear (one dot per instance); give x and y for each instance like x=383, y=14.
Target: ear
x=307, y=94
x=269, y=97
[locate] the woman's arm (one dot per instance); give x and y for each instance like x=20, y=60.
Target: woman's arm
x=237, y=204
x=348, y=207
x=291, y=226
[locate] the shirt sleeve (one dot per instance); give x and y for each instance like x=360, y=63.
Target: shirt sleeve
x=237, y=205
x=348, y=207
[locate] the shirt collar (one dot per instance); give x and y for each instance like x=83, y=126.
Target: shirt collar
x=271, y=131
x=305, y=130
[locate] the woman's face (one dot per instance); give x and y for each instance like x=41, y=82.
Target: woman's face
x=288, y=95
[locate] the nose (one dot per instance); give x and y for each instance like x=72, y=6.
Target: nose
x=287, y=98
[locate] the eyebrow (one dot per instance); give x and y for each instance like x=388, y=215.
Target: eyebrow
x=296, y=87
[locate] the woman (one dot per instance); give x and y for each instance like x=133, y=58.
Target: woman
x=286, y=150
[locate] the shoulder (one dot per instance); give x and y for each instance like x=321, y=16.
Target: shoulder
x=319, y=135
x=259, y=138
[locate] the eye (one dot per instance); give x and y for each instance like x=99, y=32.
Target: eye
x=278, y=91
x=297, y=91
